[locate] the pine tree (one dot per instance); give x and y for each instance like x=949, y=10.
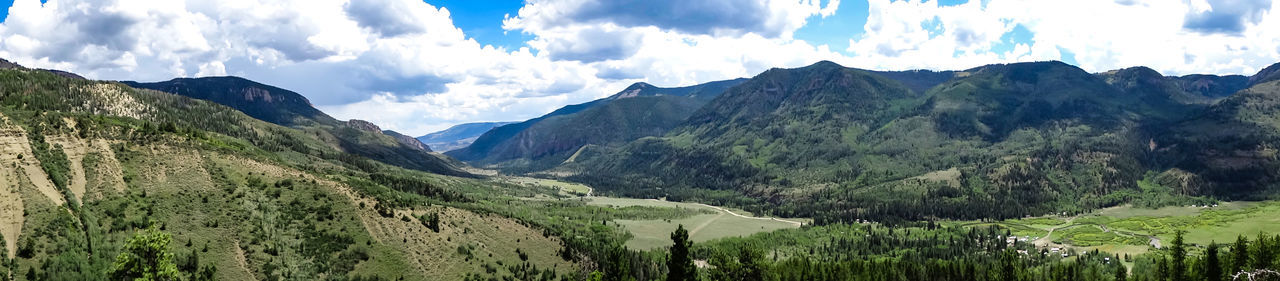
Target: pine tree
x=1239, y=255
x=1262, y=253
x=1212, y=267
x=679, y=264
x=1178, y=257
x=1121, y=272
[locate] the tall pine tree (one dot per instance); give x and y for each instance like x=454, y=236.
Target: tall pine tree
x=1178, y=259
x=679, y=264
x=1239, y=255
x=1212, y=267
x=1262, y=255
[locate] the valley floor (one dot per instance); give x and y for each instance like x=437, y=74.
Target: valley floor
x=1134, y=231
x=712, y=222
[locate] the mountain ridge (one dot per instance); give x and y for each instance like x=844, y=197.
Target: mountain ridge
x=637, y=111
x=288, y=108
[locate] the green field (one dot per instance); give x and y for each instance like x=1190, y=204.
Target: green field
x=1128, y=229
x=568, y=188
x=651, y=234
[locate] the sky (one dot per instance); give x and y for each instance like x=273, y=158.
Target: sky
x=419, y=66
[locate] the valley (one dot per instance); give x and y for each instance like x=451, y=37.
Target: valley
x=705, y=222
x=654, y=140
x=886, y=181
x=721, y=223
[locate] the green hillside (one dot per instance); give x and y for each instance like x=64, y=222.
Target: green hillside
x=640, y=110
x=291, y=109
x=88, y=164
x=842, y=144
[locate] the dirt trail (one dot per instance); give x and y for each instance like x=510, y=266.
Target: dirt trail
x=1045, y=241
x=240, y=258
x=749, y=217
x=726, y=211
x=704, y=224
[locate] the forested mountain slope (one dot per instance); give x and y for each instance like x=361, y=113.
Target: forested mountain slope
x=994, y=141
x=87, y=164
x=291, y=109
x=640, y=110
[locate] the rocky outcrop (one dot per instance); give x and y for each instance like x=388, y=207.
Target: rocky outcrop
x=364, y=125
x=407, y=140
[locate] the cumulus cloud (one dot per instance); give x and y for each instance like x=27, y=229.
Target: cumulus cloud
x=769, y=18
x=1226, y=16
x=341, y=54
x=404, y=65
x=1101, y=35
x=673, y=42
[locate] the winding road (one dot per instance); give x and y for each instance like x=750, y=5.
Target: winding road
x=740, y=215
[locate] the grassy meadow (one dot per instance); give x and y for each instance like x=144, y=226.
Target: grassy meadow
x=1133, y=230
x=713, y=224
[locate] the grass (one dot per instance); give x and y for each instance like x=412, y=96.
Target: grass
x=1127, y=229
x=1127, y=211
x=1266, y=219
x=652, y=234
x=1093, y=235
x=566, y=187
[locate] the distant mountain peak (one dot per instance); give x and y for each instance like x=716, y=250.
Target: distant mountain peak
x=638, y=86
x=1140, y=71
x=1271, y=73
x=458, y=136
x=825, y=63
x=262, y=101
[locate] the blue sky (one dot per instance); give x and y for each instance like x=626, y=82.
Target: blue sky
x=408, y=65
x=482, y=20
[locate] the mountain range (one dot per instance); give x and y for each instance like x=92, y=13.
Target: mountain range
x=87, y=167
x=640, y=110
x=287, y=108
x=841, y=144
x=458, y=136
x=259, y=184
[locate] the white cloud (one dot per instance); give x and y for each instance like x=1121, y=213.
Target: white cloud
x=404, y=65
x=1101, y=34
x=770, y=18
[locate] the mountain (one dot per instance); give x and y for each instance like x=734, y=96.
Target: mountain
x=5, y=64
x=287, y=108
x=1226, y=151
x=258, y=100
x=918, y=80
x=87, y=166
x=407, y=140
x=1268, y=74
x=638, y=111
x=1213, y=86
x=839, y=144
x=458, y=136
